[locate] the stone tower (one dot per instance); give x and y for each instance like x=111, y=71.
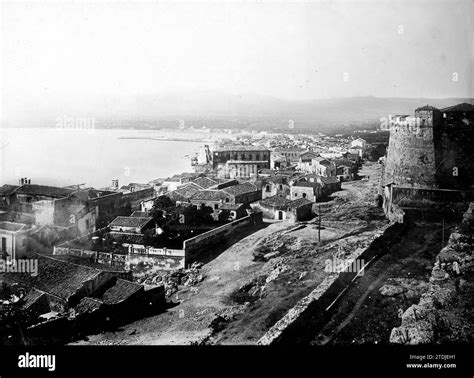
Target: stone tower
x=411, y=157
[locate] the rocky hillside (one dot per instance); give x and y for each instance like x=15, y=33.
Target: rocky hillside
x=445, y=311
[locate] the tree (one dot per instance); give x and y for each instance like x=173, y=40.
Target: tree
x=161, y=209
x=224, y=216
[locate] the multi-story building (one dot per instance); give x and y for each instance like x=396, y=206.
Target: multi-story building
x=240, y=161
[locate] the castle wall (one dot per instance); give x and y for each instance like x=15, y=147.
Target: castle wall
x=454, y=151
x=411, y=155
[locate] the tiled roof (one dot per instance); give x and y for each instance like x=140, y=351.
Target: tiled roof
x=241, y=148
x=243, y=188
x=306, y=184
x=42, y=190
x=121, y=291
x=231, y=206
x=140, y=214
x=464, y=107
x=343, y=163
x=290, y=149
x=204, y=182
x=130, y=221
x=322, y=160
x=329, y=180
x=277, y=179
x=32, y=297
x=188, y=190
x=57, y=277
x=209, y=195
x=11, y=226
x=17, y=217
x=7, y=189
x=299, y=202
x=275, y=201
x=426, y=107
x=309, y=155
x=175, y=196
x=87, y=305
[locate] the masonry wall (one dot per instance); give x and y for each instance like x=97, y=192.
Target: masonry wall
x=202, y=243
x=411, y=156
x=454, y=153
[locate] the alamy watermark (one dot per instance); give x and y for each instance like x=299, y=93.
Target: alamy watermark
x=75, y=123
x=337, y=265
x=13, y=265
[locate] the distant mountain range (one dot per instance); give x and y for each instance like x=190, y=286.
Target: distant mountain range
x=214, y=109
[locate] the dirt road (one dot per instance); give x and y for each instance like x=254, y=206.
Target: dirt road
x=239, y=298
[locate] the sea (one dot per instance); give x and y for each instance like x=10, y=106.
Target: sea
x=94, y=157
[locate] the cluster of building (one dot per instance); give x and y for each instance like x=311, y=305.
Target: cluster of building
x=281, y=182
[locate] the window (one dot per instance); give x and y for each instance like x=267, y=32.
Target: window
x=304, y=195
x=281, y=187
x=227, y=199
x=267, y=188
x=296, y=194
x=216, y=206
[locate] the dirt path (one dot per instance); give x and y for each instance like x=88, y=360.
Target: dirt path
x=218, y=310
x=189, y=320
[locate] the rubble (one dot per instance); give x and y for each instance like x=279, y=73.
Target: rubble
x=172, y=280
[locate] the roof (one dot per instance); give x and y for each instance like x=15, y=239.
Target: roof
x=299, y=203
x=241, y=148
x=343, y=163
x=140, y=214
x=187, y=191
x=17, y=217
x=209, y=195
x=175, y=196
x=329, y=180
x=204, y=182
x=322, y=160
x=278, y=179
x=426, y=107
x=243, y=188
x=275, y=201
x=121, y=291
x=464, y=107
x=290, y=149
x=309, y=155
x=88, y=305
x=7, y=189
x=130, y=221
x=231, y=206
x=42, y=190
x=11, y=226
x=32, y=297
x=56, y=277
x=303, y=183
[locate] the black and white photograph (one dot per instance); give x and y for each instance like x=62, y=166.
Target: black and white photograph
x=191, y=182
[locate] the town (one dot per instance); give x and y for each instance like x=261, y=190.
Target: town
x=99, y=249
x=264, y=209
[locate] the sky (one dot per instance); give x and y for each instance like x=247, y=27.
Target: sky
x=291, y=50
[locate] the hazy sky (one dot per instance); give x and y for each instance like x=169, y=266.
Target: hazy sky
x=292, y=50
